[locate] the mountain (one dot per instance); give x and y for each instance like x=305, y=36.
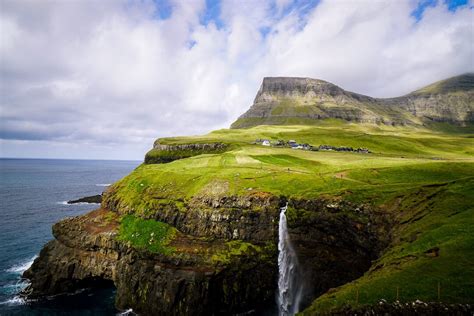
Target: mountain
x=289, y=101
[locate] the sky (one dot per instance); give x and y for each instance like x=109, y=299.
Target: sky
x=102, y=79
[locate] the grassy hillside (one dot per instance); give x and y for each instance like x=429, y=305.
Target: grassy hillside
x=423, y=177
x=463, y=82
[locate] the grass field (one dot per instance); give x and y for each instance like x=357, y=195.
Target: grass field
x=425, y=177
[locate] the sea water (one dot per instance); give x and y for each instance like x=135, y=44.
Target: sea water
x=33, y=195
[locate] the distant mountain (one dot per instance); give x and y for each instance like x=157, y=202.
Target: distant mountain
x=284, y=100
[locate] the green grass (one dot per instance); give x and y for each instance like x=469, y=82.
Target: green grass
x=455, y=84
x=423, y=176
x=151, y=235
x=432, y=217
x=235, y=249
x=402, y=157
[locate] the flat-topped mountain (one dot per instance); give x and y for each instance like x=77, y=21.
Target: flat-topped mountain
x=283, y=101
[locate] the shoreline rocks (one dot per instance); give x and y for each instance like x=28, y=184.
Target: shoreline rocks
x=93, y=199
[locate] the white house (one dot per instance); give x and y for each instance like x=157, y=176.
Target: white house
x=266, y=142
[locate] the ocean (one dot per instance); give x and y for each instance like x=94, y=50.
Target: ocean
x=33, y=195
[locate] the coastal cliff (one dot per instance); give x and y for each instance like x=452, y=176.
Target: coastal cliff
x=197, y=277
x=222, y=258
x=194, y=229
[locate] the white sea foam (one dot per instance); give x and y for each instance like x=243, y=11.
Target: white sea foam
x=72, y=204
x=17, y=300
x=127, y=312
x=22, y=267
x=13, y=289
x=103, y=185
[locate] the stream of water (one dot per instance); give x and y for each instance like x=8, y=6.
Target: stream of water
x=289, y=289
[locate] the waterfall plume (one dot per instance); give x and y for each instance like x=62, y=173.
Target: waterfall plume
x=290, y=290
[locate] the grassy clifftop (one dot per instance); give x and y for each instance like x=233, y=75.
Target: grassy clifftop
x=423, y=177
x=285, y=171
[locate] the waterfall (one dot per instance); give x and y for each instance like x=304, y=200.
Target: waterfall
x=289, y=288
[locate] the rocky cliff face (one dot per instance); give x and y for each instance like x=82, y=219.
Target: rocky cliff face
x=86, y=252
x=283, y=100
x=166, y=153
x=250, y=218
x=224, y=259
x=336, y=241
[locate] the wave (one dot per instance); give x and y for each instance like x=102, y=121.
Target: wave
x=72, y=204
x=103, y=185
x=13, y=289
x=22, y=267
x=16, y=300
x=127, y=312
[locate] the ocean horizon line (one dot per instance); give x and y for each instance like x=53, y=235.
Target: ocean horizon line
x=82, y=159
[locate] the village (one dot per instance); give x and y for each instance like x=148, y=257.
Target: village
x=294, y=145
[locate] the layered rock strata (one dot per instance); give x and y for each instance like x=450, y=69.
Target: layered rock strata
x=166, y=153
x=335, y=242
x=284, y=100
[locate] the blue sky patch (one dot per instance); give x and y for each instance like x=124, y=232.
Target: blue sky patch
x=212, y=13
x=424, y=4
x=163, y=10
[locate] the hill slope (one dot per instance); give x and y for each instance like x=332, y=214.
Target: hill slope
x=282, y=100
x=421, y=179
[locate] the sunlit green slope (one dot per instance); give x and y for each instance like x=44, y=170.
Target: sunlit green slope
x=423, y=177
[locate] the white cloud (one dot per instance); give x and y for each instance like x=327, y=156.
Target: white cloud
x=110, y=74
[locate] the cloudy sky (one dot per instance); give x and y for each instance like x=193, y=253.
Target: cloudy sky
x=103, y=79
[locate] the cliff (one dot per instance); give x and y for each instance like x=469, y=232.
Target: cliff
x=166, y=153
x=221, y=260
x=195, y=277
x=194, y=230
x=283, y=100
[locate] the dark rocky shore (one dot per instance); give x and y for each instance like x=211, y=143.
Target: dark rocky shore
x=94, y=199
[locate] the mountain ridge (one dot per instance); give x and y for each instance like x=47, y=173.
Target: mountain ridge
x=298, y=100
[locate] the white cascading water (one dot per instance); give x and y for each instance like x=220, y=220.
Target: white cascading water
x=289, y=288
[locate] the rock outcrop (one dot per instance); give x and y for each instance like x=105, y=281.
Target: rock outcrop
x=166, y=153
x=283, y=100
x=94, y=199
x=336, y=241
x=251, y=218
x=86, y=252
x=224, y=259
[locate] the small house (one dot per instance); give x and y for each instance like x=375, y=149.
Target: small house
x=292, y=143
x=266, y=142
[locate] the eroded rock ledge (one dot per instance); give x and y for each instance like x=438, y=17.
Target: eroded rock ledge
x=335, y=242
x=190, y=282
x=167, y=153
